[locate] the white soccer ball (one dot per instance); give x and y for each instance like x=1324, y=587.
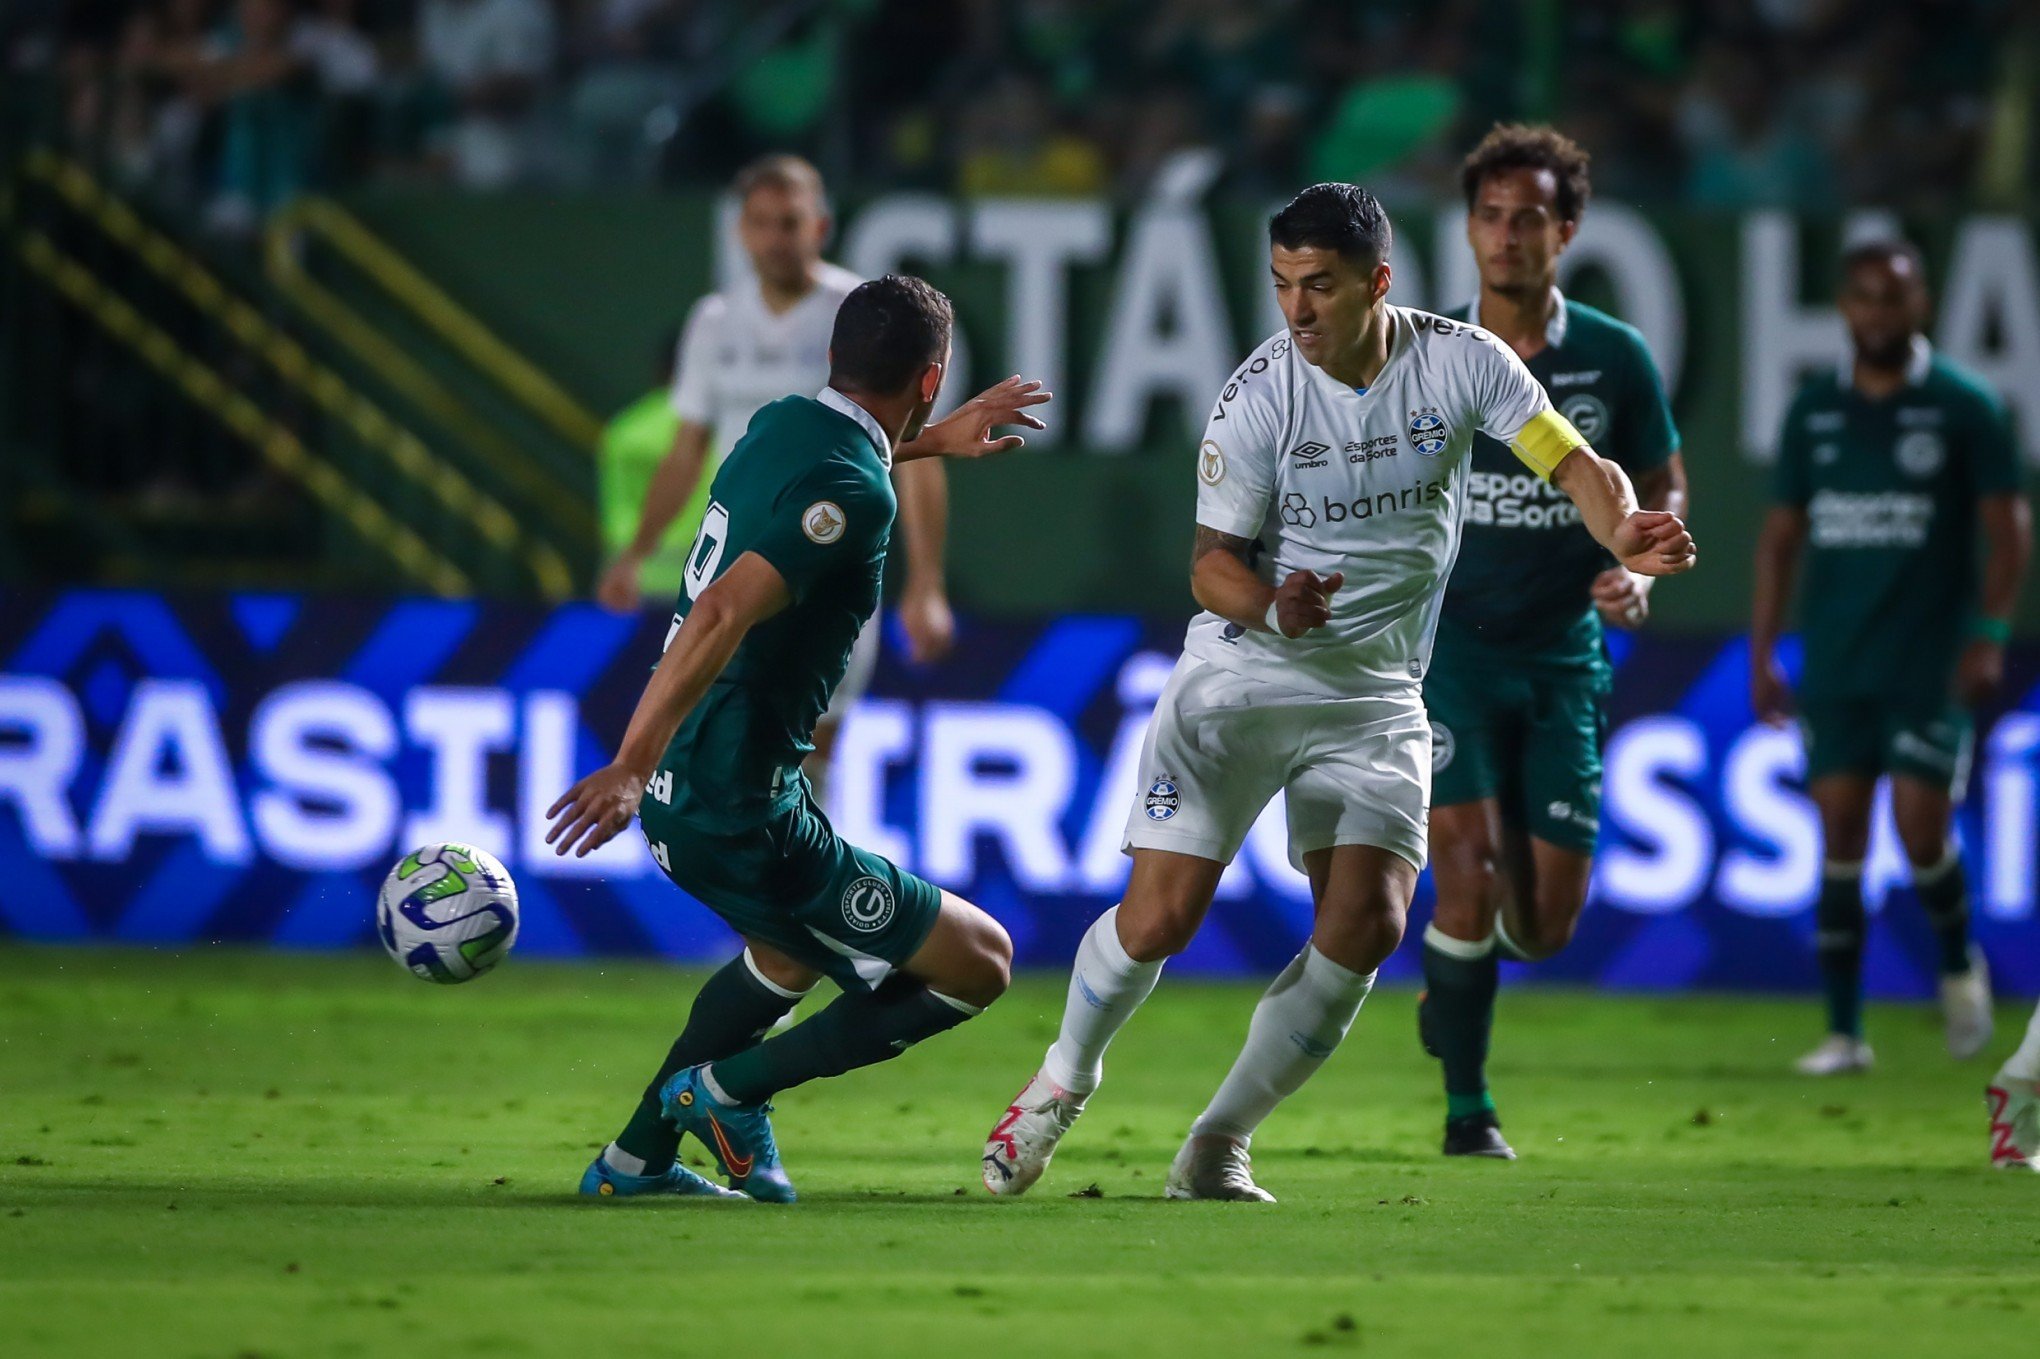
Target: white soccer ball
x=447, y=912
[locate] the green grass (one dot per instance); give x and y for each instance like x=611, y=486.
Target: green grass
x=228, y=1153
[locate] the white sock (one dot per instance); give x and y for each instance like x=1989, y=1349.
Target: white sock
x=1298, y=1023
x=2024, y=1065
x=622, y=1161
x=1106, y=987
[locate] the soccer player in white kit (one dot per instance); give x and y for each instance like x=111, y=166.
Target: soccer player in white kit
x=1331, y=487
x=766, y=338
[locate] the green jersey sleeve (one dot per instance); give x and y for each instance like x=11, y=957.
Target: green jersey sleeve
x=1791, y=474
x=831, y=518
x=1989, y=449
x=1652, y=437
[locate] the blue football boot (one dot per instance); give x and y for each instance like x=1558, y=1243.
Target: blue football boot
x=600, y=1179
x=739, y=1135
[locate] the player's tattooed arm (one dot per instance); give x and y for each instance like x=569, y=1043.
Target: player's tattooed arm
x=1623, y=595
x=1211, y=540
x=1649, y=542
x=1223, y=579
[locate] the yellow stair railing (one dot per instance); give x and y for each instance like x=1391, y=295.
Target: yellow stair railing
x=326, y=388
x=457, y=328
x=209, y=390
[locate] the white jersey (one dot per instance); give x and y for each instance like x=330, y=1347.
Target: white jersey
x=736, y=354
x=1329, y=479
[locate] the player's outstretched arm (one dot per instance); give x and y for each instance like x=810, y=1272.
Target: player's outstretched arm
x=596, y=809
x=1222, y=581
x=1621, y=595
x=966, y=432
x=1648, y=542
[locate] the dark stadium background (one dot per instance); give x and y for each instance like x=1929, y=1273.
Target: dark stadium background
x=300, y=388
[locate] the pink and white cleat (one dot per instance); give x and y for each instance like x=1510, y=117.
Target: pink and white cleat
x=1024, y=1138
x=2014, y=1123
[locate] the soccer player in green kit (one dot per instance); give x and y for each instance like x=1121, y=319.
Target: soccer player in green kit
x=1519, y=674
x=1889, y=473
x=782, y=575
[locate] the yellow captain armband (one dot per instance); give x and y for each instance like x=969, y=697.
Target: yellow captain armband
x=1543, y=443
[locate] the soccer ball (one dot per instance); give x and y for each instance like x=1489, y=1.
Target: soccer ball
x=447, y=912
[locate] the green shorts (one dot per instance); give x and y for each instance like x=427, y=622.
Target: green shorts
x=1928, y=739
x=1524, y=727
x=791, y=882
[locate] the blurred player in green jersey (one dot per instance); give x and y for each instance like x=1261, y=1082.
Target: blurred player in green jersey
x=1519, y=675
x=783, y=575
x=762, y=338
x=1890, y=471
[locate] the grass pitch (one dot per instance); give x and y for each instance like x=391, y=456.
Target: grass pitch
x=218, y=1154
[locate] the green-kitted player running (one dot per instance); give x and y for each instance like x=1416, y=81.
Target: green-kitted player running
x=1519, y=676
x=783, y=575
x=1889, y=473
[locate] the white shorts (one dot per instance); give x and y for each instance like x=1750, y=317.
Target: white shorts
x=1355, y=771
x=857, y=679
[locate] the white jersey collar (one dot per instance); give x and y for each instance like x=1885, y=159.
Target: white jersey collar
x=1916, y=364
x=843, y=405
x=1554, y=329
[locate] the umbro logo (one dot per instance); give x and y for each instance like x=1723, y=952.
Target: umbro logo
x=1311, y=454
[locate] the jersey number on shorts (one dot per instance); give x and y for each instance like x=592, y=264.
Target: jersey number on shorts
x=706, y=554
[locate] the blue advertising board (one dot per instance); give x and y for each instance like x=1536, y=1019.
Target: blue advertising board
x=246, y=767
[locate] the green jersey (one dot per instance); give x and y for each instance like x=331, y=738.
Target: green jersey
x=1526, y=562
x=808, y=488
x=1889, y=488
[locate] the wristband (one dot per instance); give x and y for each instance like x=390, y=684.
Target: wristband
x=1273, y=626
x=1987, y=629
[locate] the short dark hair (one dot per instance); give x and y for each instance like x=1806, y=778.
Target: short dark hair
x=1341, y=217
x=782, y=170
x=887, y=331
x=1884, y=250
x=1523, y=146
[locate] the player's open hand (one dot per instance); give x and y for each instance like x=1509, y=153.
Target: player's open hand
x=930, y=624
x=1622, y=597
x=1653, y=543
x=1303, y=601
x=967, y=431
x=594, y=811
x=1770, y=692
x=617, y=591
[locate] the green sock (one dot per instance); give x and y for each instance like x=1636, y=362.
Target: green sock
x=1838, y=940
x=1460, y=980
x=858, y=1028
x=1944, y=892
x=733, y=1010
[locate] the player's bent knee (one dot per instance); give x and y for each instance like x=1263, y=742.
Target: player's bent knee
x=1154, y=931
x=969, y=957
x=1362, y=935
x=780, y=970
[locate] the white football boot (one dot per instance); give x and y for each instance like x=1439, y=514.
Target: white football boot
x=2014, y=1123
x=1215, y=1167
x=1965, y=1007
x=1024, y=1138
x=1837, y=1055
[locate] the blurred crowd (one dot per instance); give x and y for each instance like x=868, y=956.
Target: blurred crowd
x=234, y=106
